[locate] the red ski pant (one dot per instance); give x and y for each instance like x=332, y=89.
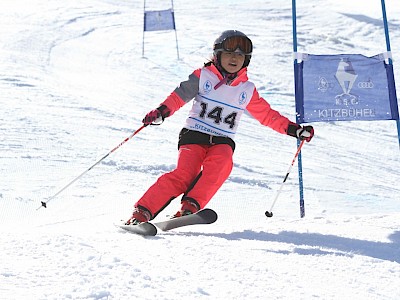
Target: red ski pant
x=215, y=162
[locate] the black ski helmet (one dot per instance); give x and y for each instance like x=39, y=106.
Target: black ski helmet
x=219, y=46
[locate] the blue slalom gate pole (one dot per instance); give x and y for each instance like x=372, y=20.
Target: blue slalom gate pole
x=300, y=165
x=386, y=27
x=176, y=34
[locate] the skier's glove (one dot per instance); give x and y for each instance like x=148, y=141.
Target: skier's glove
x=302, y=133
x=156, y=116
x=305, y=133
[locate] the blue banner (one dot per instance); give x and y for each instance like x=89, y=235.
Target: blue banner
x=159, y=20
x=345, y=87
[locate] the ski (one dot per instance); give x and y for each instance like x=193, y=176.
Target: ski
x=205, y=216
x=143, y=229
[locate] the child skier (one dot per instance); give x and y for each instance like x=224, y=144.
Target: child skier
x=221, y=93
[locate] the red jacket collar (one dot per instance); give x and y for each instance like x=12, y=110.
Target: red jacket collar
x=241, y=75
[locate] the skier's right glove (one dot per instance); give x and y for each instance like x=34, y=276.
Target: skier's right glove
x=156, y=116
x=302, y=133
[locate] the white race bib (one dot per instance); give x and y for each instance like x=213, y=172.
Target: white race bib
x=218, y=112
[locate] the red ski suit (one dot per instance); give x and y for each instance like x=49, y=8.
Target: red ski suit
x=199, y=151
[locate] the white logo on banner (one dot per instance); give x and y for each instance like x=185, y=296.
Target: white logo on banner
x=346, y=76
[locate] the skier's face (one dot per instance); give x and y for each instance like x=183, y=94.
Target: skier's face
x=232, y=62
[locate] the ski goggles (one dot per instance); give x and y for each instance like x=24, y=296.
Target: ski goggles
x=232, y=44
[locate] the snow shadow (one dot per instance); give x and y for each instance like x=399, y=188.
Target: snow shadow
x=368, y=20
x=347, y=246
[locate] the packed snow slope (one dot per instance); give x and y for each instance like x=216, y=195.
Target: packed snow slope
x=74, y=85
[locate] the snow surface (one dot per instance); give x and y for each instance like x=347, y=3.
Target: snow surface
x=74, y=85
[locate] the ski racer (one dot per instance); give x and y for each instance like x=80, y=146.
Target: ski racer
x=221, y=93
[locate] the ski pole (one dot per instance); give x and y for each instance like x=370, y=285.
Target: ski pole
x=44, y=203
x=269, y=213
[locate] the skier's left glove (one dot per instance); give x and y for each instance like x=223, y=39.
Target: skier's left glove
x=303, y=133
x=156, y=116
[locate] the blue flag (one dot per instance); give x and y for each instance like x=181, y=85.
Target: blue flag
x=159, y=20
x=345, y=87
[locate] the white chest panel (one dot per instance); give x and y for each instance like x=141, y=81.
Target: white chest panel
x=218, y=112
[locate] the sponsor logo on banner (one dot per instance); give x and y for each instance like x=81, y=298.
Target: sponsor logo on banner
x=346, y=76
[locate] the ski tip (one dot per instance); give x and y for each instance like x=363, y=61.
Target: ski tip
x=211, y=213
x=143, y=229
